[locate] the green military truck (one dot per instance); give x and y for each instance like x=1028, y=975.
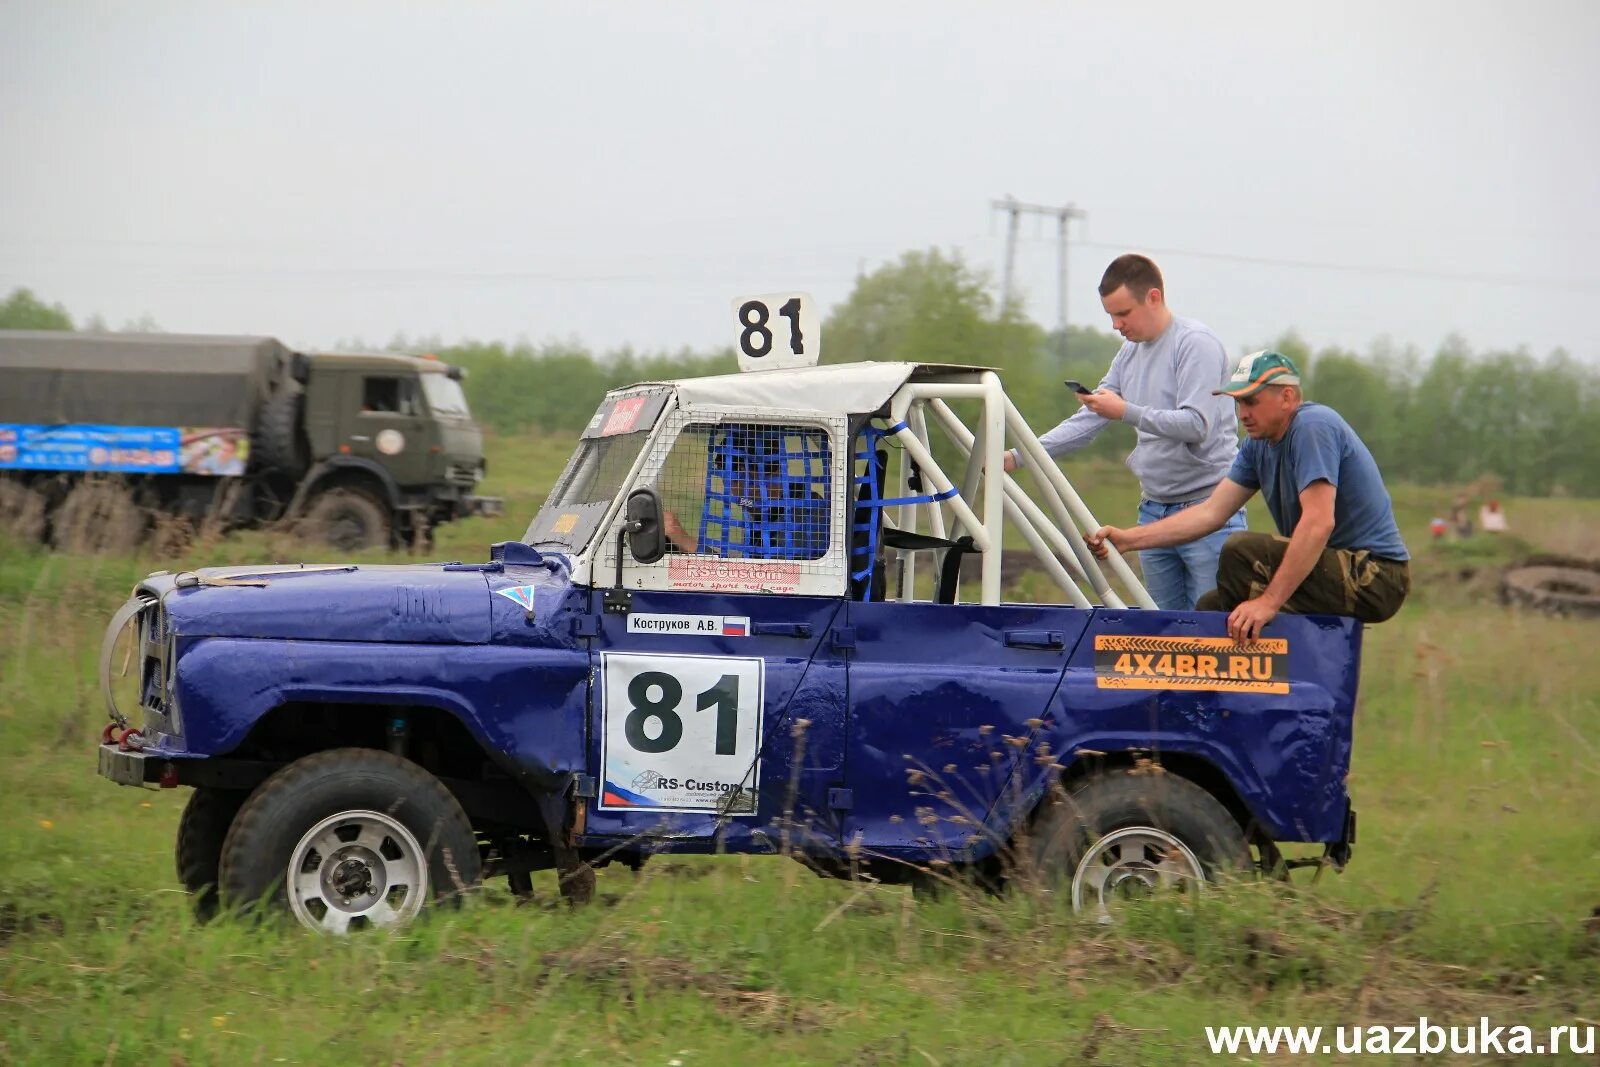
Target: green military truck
x=105, y=436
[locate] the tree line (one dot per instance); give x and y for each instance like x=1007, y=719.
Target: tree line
x=1445, y=419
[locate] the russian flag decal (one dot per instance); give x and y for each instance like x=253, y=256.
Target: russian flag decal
x=735, y=626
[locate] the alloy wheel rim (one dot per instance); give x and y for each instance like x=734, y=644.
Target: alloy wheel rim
x=1131, y=863
x=356, y=869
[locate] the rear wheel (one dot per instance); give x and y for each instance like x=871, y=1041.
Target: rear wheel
x=347, y=520
x=348, y=839
x=98, y=517
x=1124, y=835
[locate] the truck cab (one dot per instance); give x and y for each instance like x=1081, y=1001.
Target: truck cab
x=395, y=429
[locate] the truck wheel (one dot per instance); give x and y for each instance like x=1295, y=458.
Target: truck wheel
x=1122, y=835
x=201, y=831
x=277, y=440
x=97, y=517
x=347, y=839
x=21, y=512
x=347, y=520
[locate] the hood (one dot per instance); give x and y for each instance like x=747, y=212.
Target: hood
x=417, y=604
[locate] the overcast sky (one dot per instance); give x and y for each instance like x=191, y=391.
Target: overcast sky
x=616, y=173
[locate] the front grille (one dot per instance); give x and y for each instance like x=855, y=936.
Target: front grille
x=155, y=657
x=464, y=473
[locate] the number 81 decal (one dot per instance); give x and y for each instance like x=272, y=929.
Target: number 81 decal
x=681, y=733
x=777, y=330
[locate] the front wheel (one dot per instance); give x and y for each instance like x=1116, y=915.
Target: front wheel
x=347, y=520
x=350, y=838
x=1124, y=835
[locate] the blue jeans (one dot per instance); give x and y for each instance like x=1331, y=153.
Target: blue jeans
x=1176, y=577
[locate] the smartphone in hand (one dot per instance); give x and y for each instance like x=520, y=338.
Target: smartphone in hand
x=1076, y=386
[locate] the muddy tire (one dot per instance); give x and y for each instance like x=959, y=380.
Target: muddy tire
x=347, y=520
x=347, y=839
x=1554, y=590
x=22, y=511
x=1120, y=835
x=98, y=517
x=201, y=831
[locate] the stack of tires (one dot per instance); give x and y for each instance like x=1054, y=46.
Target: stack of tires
x=1555, y=585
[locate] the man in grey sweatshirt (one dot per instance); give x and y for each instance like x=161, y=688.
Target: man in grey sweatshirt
x=1161, y=383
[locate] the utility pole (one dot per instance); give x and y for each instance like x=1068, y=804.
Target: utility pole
x=1064, y=216
x=1008, y=295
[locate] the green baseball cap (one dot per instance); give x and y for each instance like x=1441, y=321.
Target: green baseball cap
x=1257, y=371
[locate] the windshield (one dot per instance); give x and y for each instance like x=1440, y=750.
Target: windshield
x=596, y=470
x=444, y=395
x=585, y=490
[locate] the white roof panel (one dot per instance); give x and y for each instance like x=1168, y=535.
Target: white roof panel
x=840, y=388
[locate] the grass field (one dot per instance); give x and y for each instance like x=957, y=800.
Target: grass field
x=1476, y=774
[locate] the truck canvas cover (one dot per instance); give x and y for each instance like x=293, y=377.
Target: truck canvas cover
x=52, y=377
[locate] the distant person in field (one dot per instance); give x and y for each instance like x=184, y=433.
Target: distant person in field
x=1491, y=519
x=1339, y=551
x=1162, y=382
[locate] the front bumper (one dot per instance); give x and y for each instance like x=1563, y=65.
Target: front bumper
x=168, y=770
x=127, y=767
x=487, y=506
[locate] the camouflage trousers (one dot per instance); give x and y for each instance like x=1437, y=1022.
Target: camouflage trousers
x=1342, y=582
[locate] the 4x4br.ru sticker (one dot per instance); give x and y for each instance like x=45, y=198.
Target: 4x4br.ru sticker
x=1216, y=663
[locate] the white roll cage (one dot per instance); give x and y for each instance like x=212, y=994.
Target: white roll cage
x=1051, y=520
x=1052, y=542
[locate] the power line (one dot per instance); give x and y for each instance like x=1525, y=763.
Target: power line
x=433, y=274
x=1580, y=285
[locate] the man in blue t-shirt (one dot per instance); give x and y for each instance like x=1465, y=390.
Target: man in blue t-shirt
x=1340, y=551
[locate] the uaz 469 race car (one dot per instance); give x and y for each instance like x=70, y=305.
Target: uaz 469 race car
x=738, y=624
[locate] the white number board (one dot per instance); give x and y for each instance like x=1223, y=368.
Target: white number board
x=681, y=733
x=777, y=330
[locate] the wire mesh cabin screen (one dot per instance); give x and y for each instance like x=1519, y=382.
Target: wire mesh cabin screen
x=747, y=505
x=766, y=492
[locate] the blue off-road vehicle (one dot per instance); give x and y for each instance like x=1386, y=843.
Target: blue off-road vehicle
x=740, y=624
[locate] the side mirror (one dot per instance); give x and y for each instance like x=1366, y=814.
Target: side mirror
x=643, y=514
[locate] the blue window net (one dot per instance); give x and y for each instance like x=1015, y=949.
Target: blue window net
x=766, y=493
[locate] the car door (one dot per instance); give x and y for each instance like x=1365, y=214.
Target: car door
x=940, y=700
x=718, y=717
x=389, y=428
